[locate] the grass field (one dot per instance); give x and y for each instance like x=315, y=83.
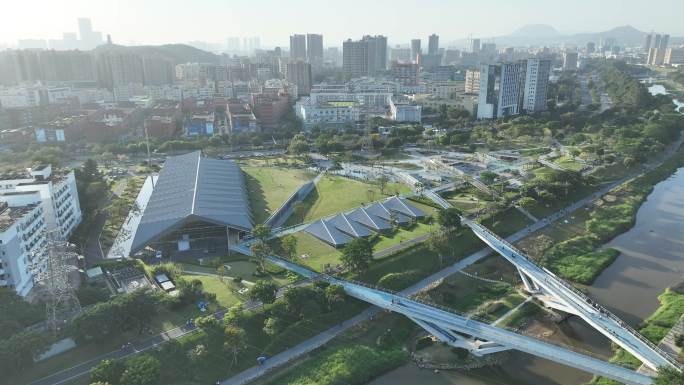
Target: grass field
x=403, y=234
x=226, y=291
x=465, y=294
x=506, y=222
x=569, y=163
x=317, y=252
x=335, y=194
x=269, y=187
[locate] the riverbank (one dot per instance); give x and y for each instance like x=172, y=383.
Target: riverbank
x=655, y=328
x=583, y=257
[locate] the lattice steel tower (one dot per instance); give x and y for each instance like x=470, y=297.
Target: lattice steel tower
x=61, y=302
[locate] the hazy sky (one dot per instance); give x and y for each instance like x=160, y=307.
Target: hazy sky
x=165, y=21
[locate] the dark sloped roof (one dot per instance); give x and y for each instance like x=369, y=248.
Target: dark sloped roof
x=342, y=228
x=348, y=226
x=191, y=187
x=328, y=233
x=404, y=207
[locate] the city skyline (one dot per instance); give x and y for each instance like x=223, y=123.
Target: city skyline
x=175, y=23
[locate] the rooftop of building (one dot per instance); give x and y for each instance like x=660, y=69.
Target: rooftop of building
x=192, y=187
x=9, y=215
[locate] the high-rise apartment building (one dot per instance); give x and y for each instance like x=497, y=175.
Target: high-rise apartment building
x=400, y=54
x=314, y=50
x=89, y=38
x=570, y=61
x=536, y=85
x=299, y=74
x=674, y=56
x=433, y=45
x=365, y=57
x=298, y=47
x=472, y=82
x=377, y=54
x=647, y=42
x=656, y=41
x=475, y=45
x=508, y=89
x=415, y=49
x=664, y=40
x=354, y=58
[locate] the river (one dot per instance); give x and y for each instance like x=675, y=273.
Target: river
x=651, y=259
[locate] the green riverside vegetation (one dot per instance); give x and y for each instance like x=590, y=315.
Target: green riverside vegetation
x=655, y=328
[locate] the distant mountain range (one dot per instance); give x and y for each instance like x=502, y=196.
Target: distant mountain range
x=542, y=34
x=179, y=53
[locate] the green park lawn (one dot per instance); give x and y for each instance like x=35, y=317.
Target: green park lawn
x=335, y=194
x=269, y=187
x=506, y=222
x=226, y=290
x=467, y=202
x=465, y=294
x=402, y=235
x=569, y=163
x=315, y=253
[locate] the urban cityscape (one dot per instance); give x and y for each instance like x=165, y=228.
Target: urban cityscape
x=328, y=194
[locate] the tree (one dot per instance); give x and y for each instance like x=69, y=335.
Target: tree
x=334, y=295
x=236, y=341
x=440, y=243
x=19, y=351
x=289, y=245
x=488, y=177
x=357, y=254
x=382, y=182
x=107, y=371
x=449, y=218
x=264, y=291
x=261, y=232
x=214, y=329
x=221, y=271
x=273, y=325
x=141, y=370
x=260, y=251
x=526, y=202
x=235, y=315
x=669, y=376
x=298, y=145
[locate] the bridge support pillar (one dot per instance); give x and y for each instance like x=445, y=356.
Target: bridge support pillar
x=474, y=346
x=530, y=286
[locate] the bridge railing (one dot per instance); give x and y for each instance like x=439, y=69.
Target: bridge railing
x=602, y=310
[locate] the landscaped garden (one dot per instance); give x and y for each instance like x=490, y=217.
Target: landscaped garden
x=269, y=187
x=335, y=194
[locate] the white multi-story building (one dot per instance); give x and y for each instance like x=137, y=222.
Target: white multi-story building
x=402, y=111
x=327, y=113
x=57, y=194
x=23, y=242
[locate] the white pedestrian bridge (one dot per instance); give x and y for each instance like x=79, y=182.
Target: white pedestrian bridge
x=480, y=338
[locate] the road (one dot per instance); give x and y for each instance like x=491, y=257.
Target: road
x=93, y=252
